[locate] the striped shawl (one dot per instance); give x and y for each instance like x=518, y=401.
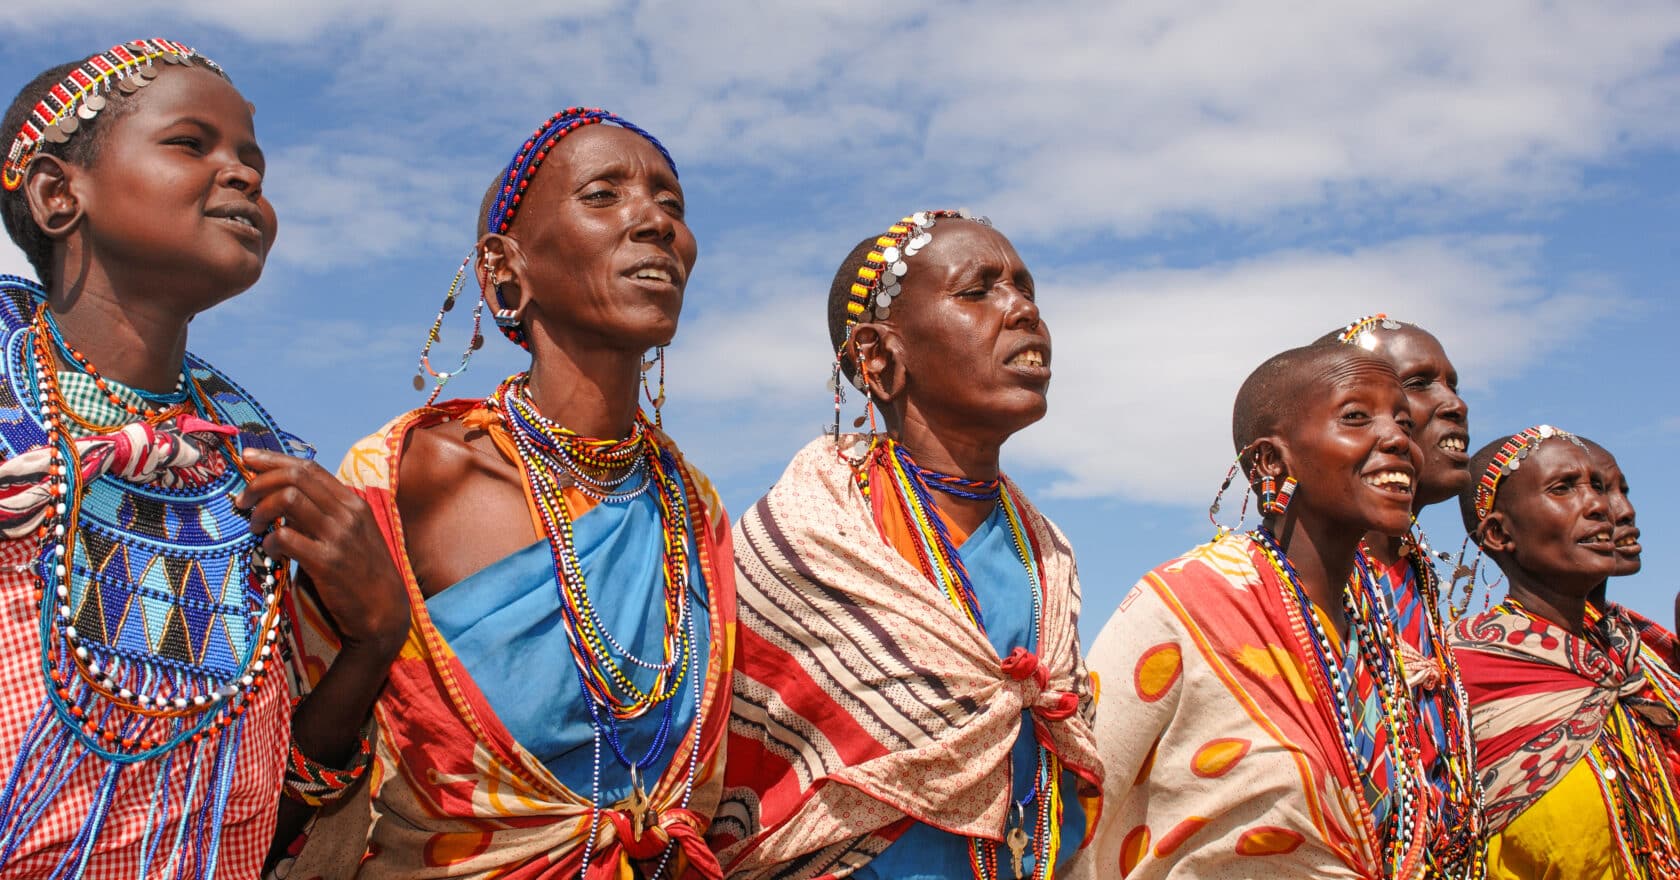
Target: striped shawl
x=863, y=697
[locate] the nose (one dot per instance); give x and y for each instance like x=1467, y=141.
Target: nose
x=1023, y=310
x=652, y=221
x=1598, y=505
x=242, y=177
x=1453, y=409
x=1394, y=439
x=1621, y=509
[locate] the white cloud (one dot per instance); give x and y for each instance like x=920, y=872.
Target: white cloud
x=1075, y=117
x=1147, y=363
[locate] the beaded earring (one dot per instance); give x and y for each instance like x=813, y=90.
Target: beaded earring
x=474, y=343
x=658, y=401
x=1278, y=503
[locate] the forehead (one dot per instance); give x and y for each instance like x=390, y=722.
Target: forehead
x=597, y=148
x=1410, y=346
x=964, y=244
x=1353, y=375
x=188, y=92
x=1551, y=459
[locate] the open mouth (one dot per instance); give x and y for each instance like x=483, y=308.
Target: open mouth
x=653, y=275
x=1628, y=544
x=1456, y=443
x=1391, y=481
x=1031, y=357
x=1599, y=540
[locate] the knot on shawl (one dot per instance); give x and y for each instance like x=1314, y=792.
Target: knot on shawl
x=1422, y=673
x=1632, y=689
x=1022, y=665
x=176, y=454
x=677, y=825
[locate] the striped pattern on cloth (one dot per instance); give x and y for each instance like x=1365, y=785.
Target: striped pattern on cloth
x=862, y=696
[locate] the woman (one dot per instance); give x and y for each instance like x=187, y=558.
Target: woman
x=146, y=507
x=1403, y=567
x=909, y=700
x=557, y=709
x=1575, y=723
x=1256, y=721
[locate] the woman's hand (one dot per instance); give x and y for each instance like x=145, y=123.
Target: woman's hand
x=329, y=531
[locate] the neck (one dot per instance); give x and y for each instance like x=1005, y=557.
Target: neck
x=1600, y=596
x=1322, y=557
x=951, y=452
x=590, y=391
x=1546, y=598
x=1385, y=549
x=130, y=338
x=1568, y=611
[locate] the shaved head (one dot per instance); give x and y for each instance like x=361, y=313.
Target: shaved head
x=1274, y=394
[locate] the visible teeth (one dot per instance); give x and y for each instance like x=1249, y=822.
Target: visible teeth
x=1627, y=542
x=1391, y=478
x=1596, y=537
x=655, y=274
x=1028, y=358
x=1455, y=444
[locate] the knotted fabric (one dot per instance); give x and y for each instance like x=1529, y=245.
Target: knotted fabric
x=863, y=696
x=178, y=453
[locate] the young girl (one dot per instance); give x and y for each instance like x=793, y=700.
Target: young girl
x=147, y=506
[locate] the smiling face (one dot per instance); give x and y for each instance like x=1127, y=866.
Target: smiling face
x=604, y=253
x=1625, y=533
x=1439, y=415
x=1551, y=520
x=1349, y=446
x=974, y=353
x=173, y=199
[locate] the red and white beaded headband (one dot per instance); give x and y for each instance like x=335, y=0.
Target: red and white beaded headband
x=1509, y=458
x=126, y=67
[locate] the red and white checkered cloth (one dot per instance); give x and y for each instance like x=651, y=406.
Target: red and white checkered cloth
x=248, y=823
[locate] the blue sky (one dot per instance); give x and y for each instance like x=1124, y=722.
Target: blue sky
x=1196, y=186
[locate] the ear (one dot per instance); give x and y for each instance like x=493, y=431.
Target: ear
x=1268, y=457
x=1494, y=534
x=52, y=201
x=501, y=264
x=879, y=354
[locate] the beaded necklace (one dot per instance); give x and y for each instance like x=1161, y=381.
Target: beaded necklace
x=1374, y=638
x=939, y=561
x=186, y=696
x=1460, y=837
x=159, y=610
x=1640, y=791
x=548, y=454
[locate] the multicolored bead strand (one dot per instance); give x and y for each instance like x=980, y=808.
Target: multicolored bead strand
x=1373, y=631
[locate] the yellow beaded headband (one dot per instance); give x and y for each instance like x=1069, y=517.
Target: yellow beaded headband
x=1509, y=458
x=877, y=283
x=1361, y=333
x=127, y=67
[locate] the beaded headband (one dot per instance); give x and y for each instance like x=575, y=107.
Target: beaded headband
x=516, y=178
x=80, y=96
x=877, y=283
x=1361, y=333
x=1509, y=458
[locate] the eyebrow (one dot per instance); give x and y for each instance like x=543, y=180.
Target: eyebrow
x=207, y=126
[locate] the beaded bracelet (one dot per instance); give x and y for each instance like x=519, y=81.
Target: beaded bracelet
x=315, y=783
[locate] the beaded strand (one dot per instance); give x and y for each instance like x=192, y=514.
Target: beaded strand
x=1376, y=637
